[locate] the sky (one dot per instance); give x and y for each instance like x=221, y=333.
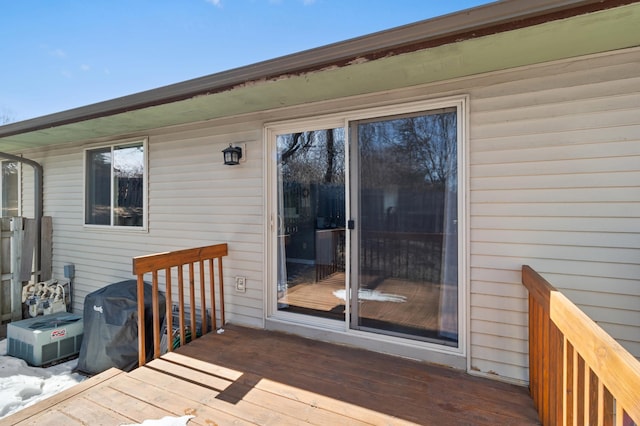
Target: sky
x=57, y=55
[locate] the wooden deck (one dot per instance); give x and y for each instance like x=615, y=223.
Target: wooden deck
x=246, y=376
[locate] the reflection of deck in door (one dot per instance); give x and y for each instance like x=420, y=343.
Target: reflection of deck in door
x=411, y=305
x=317, y=297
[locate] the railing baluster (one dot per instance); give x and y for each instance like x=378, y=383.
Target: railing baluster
x=221, y=286
x=582, y=389
x=568, y=384
x=608, y=411
x=181, y=305
x=600, y=404
x=533, y=340
x=557, y=371
x=594, y=401
x=566, y=377
x=619, y=415
x=203, y=299
x=545, y=369
x=586, y=394
x=576, y=387
x=192, y=300
x=212, y=294
x=155, y=304
x=169, y=309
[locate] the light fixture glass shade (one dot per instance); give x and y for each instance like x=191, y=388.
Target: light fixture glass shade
x=232, y=155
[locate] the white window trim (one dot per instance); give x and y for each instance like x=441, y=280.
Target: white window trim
x=19, y=185
x=145, y=188
x=461, y=103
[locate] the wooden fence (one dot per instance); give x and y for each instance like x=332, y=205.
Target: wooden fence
x=206, y=263
x=579, y=375
x=17, y=245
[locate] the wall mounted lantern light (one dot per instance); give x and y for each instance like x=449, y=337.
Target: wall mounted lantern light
x=232, y=155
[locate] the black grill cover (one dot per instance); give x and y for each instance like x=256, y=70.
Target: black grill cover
x=111, y=327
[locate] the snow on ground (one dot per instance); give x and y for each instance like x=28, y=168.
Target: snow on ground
x=22, y=385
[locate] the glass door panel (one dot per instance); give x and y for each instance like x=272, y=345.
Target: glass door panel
x=311, y=218
x=406, y=211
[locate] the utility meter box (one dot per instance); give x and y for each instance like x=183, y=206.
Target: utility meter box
x=44, y=339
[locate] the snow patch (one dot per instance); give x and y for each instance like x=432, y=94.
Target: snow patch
x=375, y=295
x=22, y=385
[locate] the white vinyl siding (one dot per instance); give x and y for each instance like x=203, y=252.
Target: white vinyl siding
x=198, y=201
x=194, y=201
x=555, y=183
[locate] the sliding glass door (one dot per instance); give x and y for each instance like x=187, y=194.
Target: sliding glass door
x=405, y=204
x=368, y=235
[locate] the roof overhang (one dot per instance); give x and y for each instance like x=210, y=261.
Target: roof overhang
x=492, y=37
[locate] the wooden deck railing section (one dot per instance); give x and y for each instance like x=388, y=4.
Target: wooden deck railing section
x=206, y=263
x=579, y=375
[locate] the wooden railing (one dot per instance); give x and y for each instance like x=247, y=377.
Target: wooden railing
x=206, y=263
x=579, y=375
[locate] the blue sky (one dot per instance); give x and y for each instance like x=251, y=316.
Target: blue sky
x=61, y=54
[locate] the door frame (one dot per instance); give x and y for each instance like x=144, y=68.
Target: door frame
x=313, y=324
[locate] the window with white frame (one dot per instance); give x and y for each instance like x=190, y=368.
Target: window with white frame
x=9, y=181
x=115, y=185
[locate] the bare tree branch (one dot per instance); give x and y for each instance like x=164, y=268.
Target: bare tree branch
x=5, y=116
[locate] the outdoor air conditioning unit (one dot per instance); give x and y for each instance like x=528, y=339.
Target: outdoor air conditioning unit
x=44, y=339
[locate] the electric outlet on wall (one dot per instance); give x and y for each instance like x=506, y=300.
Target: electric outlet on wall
x=241, y=284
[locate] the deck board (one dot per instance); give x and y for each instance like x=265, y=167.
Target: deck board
x=247, y=376
x=54, y=418
x=189, y=397
x=113, y=400
x=88, y=413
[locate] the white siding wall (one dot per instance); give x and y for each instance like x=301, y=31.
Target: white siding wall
x=194, y=201
x=554, y=179
x=555, y=183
